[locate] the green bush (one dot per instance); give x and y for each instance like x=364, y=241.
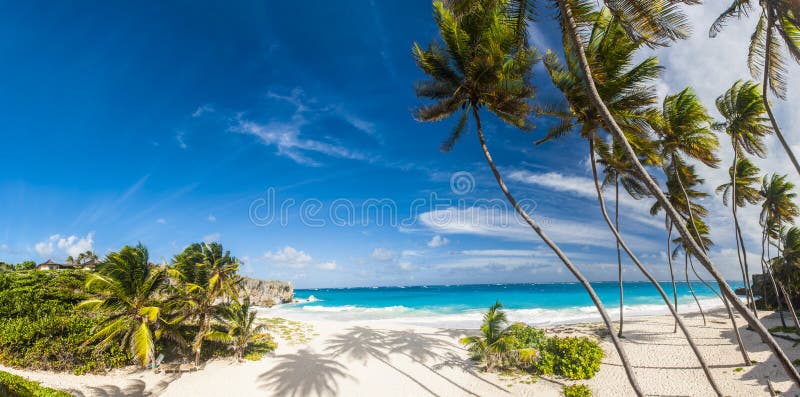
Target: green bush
x=573, y=358
x=527, y=337
x=41, y=327
x=16, y=386
x=577, y=391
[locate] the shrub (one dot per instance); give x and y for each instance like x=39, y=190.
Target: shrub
x=42, y=329
x=16, y=386
x=577, y=391
x=527, y=337
x=574, y=358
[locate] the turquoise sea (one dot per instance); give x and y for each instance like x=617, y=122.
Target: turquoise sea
x=463, y=305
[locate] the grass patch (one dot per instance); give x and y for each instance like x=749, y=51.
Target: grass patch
x=576, y=391
x=13, y=385
x=738, y=369
x=293, y=332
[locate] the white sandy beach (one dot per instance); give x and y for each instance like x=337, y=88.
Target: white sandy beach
x=360, y=359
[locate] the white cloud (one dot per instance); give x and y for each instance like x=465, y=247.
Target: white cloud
x=212, y=238
x=65, y=245
x=507, y=225
x=584, y=187
x=499, y=252
x=327, y=265
x=201, y=110
x=179, y=137
x=212, y=218
x=285, y=135
x=383, y=254
x=288, y=257
x=438, y=241
x=161, y=221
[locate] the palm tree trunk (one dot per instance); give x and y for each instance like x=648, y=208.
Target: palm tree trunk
x=739, y=341
x=563, y=257
x=671, y=270
x=771, y=277
x=619, y=256
x=765, y=90
x=788, y=300
x=689, y=284
x=570, y=28
x=737, y=233
x=646, y=273
x=198, y=341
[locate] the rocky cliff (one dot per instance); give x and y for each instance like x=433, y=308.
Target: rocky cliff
x=267, y=293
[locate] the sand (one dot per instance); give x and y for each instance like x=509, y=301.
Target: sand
x=384, y=359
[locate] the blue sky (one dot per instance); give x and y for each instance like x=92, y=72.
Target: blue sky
x=170, y=123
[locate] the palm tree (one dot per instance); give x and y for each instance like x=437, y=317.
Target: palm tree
x=664, y=11
x=627, y=91
x=494, y=344
x=778, y=207
x=743, y=110
x=86, y=256
x=240, y=327
x=778, y=27
x=785, y=268
x=742, y=190
x=617, y=170
x=482, y=64
x=130, y=288
x=207, y=274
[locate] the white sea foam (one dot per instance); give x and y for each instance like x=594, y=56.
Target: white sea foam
x=450, y=318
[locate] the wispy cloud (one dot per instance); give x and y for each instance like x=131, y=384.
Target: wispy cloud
x=203, y=109
x=212, y=238
x=179, y=137
x=438, y=241
x=288, y=257
x=286, y=134
x=383, y=254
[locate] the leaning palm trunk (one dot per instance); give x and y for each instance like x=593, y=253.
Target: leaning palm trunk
x=570, y=27
x=771, y=276
x=765, y=98
x=646, y=273
x=570, y=266
x=689, y=284
x=619, y=257
x=671, y=270
x=741, y=252
x=739, y=341
x=705, y=251
x=789, y=303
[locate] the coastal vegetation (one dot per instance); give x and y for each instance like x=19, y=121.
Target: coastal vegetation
x=484, y=61
x=522, y=347
x=12, y=385
x=129, y=311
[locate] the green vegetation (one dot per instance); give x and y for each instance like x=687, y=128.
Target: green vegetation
x=577, y=391
x=526, y=348
x=41, y=327
x=495, y=344
x=16, y=386
x=293, y=332
x=128, y=311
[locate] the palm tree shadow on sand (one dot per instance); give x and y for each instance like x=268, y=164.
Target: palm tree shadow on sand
x=304, y=373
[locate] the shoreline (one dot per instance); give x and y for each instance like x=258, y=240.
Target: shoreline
x=354, y=358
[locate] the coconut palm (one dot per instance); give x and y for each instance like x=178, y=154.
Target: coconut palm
x=494, y=344
x=786, y=267
x=481, y=64
x=742, y=190
x=86, y=256
x=130, y=288
x=777, y=32
x=627, y=90
x=744, y=111
x=210, y=277
x=239, y=327
x=777, y=207
x=570, y=26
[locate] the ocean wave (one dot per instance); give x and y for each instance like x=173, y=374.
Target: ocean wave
x=452, y=317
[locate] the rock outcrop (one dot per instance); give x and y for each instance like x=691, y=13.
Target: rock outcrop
x=267, y=293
